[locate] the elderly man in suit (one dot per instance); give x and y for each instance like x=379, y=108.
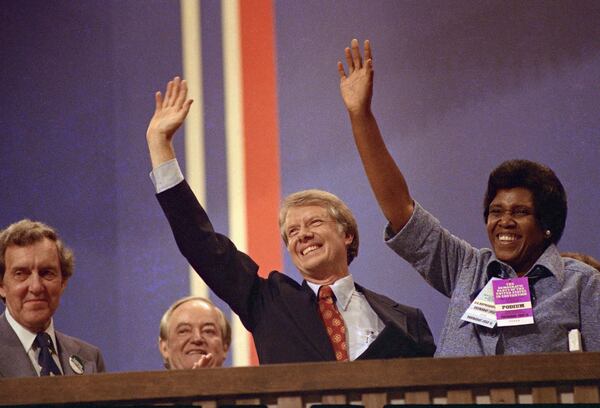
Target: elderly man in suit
x=34, y=269
x=194, y=333
x=326, y=318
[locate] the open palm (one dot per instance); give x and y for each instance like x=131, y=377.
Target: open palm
x=357, y=87
x=171, y=111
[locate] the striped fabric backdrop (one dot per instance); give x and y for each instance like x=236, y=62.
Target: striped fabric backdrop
x=251, y=135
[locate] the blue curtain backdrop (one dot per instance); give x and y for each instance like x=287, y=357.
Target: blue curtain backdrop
x=459, y=87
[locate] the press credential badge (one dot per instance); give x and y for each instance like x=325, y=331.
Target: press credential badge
x=483, y=309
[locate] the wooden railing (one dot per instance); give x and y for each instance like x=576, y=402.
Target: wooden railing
x=537, y=378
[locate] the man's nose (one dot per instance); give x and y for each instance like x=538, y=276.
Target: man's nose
x=197, y=336
x=35, y=283
x=305, y=232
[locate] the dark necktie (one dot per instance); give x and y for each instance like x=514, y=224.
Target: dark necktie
x=45, y=360
x=334, y=324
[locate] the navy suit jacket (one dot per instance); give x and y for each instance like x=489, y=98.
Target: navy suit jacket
x=281, y=314
x=14, y=361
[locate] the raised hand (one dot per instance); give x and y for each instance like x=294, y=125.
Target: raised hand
x=171, y=111
x=386, y=179
x=169, y=114
x=205, y=361
x=357, y=87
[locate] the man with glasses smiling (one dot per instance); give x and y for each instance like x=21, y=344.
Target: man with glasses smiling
x=326, y=318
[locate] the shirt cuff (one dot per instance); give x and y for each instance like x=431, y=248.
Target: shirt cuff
x=166, y=176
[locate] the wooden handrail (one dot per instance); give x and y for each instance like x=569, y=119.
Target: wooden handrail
x=290, y=384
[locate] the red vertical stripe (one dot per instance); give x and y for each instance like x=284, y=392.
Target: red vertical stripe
x=261, y=134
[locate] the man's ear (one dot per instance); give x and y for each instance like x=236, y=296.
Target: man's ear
x=63, y=285
x=164, y=350
x=349, y=239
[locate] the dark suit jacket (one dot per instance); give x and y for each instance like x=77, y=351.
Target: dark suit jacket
x=14, y=361
x=281, y=314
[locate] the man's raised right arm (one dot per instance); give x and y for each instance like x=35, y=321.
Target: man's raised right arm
x=230, y=273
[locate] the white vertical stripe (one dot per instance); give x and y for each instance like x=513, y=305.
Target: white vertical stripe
x=234, y=134
x=194, y=127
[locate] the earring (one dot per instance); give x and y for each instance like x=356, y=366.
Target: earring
x=548, y=233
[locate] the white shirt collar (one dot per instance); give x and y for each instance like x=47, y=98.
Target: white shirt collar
x=27, y=337
x=342, y=289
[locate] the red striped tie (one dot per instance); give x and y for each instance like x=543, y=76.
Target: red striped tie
x=334, y=323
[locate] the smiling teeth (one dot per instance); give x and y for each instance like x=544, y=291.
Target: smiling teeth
x=309, y=249
x=507, y=237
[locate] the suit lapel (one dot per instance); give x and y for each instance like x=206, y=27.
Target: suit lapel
x=302, y=308
x=67, y=348
x=14, y=361
x=386, y=309
x=394, y=340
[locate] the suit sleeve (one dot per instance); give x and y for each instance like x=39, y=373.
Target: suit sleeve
x=100, y=363
x=230, y=273
x=426, y=342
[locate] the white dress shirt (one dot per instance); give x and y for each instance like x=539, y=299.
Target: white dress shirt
x=362, y=323
x=27, y=338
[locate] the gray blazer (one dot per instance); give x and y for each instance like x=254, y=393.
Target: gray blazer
x=14, y=361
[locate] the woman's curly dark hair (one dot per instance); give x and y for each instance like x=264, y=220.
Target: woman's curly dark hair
x=549, y=197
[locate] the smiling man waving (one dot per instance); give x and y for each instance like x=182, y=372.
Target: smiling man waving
x=326, y=318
